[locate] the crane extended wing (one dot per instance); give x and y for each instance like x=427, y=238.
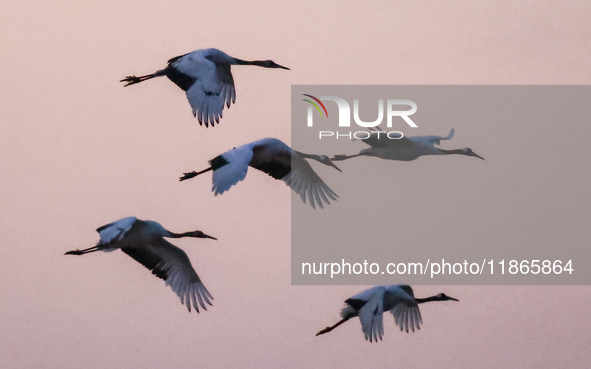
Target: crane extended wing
x=213, y=86
x=172, y=264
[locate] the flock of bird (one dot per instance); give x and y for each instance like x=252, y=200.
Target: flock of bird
x=206, y=78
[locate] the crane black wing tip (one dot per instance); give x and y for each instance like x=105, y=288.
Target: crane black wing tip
x=207, y=123
x=199, y=118
x=188, y=304
x=196, y=307
x=376, y=340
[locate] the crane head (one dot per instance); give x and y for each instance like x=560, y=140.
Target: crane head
x=326, y=161
x=443, y=297
x=199, y=234
x=272, y=64
x=468, y=152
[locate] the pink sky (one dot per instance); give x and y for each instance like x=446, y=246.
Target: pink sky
x=81, y=151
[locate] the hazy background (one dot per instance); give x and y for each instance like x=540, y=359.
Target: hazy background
x=79, y=151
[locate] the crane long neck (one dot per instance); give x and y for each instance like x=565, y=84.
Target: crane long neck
x=450, y=152
x=260, y=63
x=195, y=234
x=427, y=299
x=176, y=235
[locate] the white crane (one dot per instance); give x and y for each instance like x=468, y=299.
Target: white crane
x=206, y=78
x=405, y=148
x=144, y=241
x=278, y=160
x=370, y=305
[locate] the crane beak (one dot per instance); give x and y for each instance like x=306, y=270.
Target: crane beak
x=334, y=166
x=282, y=67
x=478, y=156
x=200, y=234
x=208, y=236
x=451, y=298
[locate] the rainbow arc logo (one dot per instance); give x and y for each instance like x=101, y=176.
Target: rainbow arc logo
x=316, y=106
